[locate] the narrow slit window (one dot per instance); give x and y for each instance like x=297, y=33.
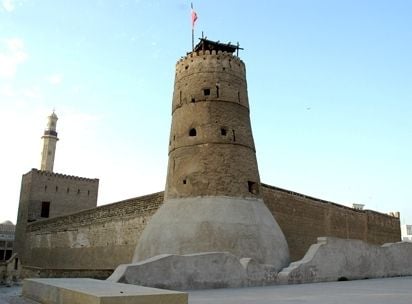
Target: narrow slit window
x=234, y=135
x=184, y=182
x=192, y=132
x=223, y=131
x=238, y=96
x=45, y=188
x=217, y=91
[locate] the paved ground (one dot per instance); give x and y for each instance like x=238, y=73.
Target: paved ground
x=377, y=291
x=12, y=295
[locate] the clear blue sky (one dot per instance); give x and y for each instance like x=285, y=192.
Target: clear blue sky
x=330, y=88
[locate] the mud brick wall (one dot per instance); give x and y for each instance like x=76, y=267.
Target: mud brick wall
x=304, y=218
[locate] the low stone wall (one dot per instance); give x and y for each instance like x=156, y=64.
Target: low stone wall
x=333, y=259
x=206, y=270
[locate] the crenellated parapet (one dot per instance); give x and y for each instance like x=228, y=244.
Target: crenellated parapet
x=219, y=55
x=63, y=176
x=223, y=79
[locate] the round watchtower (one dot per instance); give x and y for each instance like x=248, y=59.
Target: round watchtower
x=211, y=148
x=212, y=195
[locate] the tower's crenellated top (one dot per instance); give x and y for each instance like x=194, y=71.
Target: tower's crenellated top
x=210, y=45
x=34, y=171
x=223, y=79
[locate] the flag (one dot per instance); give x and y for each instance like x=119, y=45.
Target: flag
x=194, y=16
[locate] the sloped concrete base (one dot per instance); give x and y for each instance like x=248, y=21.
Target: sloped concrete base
x=242, y=226
x=334, y=259
x=81, y=291
x=205, y=270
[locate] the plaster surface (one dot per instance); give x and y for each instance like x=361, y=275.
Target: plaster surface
x=243, y=227
x=196, y=271
x=333, y=259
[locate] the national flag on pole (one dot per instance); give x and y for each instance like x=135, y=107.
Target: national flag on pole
x=194, y=16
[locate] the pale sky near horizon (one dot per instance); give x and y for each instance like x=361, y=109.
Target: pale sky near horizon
x=329, y=81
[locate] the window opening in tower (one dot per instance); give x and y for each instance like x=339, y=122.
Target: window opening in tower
x=192, y=132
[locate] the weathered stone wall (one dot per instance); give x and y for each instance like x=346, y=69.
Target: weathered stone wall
x=93, y=242
x=63, y=194
x=22, y=215
x=303, y=219
x=89, y=242
x=66, y=193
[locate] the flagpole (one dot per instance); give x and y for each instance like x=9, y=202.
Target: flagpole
x=193, y=30
x=193, y=39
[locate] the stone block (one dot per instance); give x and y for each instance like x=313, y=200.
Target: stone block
x=81, y=291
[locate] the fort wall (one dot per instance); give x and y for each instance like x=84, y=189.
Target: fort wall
x=93, y=242
x=66, y=193
x=46, y=195
x=303, y=219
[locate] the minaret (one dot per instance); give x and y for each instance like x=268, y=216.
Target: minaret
x=49, y=144
x=212, y=198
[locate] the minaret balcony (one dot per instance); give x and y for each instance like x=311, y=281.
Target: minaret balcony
x=50, y=133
